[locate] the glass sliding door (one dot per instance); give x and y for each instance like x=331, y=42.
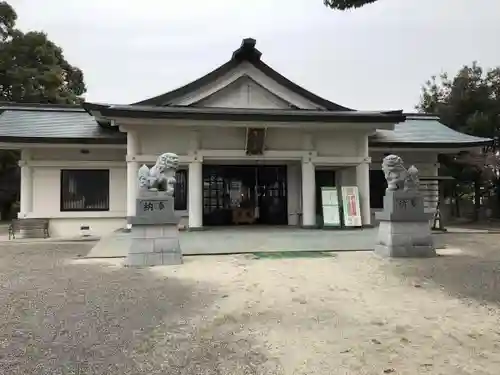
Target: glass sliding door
x=260, y=192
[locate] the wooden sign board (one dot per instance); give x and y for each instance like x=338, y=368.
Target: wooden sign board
x=350, y=203
x=255, y=142
x=331, y=207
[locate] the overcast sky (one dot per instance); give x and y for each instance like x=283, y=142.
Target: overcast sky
x=373, y=58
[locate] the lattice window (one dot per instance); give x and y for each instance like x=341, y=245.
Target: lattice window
x=181, y=192
x=84, y=190
x=430, y=192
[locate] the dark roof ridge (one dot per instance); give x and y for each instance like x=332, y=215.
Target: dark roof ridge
x=15, y=106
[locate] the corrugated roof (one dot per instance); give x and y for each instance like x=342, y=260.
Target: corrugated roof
x=425, y=131
x=43, y=123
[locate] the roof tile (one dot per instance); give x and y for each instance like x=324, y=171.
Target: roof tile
x=67, y=123
x=428, y=130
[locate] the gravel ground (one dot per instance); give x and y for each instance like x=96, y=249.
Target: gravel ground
x=474, y=274
x=348, y=314
x=62, y=318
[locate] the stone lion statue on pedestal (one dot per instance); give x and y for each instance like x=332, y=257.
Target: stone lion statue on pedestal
x=397, y=176
x=161, y=177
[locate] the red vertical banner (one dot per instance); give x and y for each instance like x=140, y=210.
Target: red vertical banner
x=350, y=202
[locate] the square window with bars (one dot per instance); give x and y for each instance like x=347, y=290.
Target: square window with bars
x=84, y=190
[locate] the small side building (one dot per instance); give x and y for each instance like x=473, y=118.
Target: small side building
x=243, y=124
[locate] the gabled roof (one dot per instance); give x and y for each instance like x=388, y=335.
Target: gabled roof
x=53, y=124
x=425, y=131
x=247, y=52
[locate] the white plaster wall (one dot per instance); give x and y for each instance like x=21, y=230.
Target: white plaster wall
x=337, y=143
x=284, y=139
x=331, y=143
x=94, y=154
x=47, y=192
x=47, y=189
x=70, y=227
x=46, y=203
x=158, y=139
x=219, y=138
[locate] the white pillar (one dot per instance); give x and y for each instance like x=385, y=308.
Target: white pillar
x=308, y=195
x=363, y=183
x=132, y=169
x=195, y=195
x=26, y=194
x=293, y=193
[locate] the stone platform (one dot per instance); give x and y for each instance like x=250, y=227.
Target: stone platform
x=249, y=239
x=405, y=239
x=152, y=245
x=153, y=239
x=404, y=228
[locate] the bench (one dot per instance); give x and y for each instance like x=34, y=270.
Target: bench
x=29, y=227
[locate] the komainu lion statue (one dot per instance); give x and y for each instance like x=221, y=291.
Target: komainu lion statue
x=397, y=176
x=161, y=177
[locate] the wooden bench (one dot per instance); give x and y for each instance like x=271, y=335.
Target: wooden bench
x=29, y=227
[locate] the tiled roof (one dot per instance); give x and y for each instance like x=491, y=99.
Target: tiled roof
x=32, y=123
x=72, y=124
x=424, y=131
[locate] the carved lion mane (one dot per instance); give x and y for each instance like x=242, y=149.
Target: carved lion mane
x=394, y=171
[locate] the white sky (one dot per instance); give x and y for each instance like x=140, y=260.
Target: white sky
x=374, y=58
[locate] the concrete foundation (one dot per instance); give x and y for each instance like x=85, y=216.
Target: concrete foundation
x=405, y=239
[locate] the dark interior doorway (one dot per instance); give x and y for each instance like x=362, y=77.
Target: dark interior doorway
x=254, y=194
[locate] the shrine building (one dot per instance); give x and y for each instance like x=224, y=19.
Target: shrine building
x=254, y=148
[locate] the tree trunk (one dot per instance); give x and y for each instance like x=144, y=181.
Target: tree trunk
x=456, y=202
x=496, y=211
x=477, y=199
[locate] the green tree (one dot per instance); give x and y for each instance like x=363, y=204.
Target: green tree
x=32, y=68
x=469, y=103
x=347, y=4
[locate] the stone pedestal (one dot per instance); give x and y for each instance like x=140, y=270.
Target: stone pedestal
x=154, y=234
x=404, y=229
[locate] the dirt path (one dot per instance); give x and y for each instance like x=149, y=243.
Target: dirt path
x=349, y=314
